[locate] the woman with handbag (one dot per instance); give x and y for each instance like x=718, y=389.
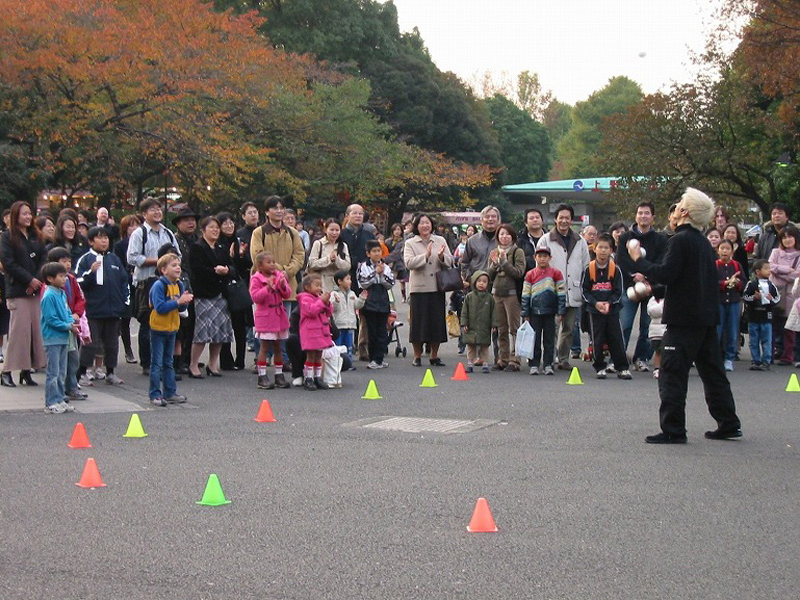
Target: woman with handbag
x=211, y=269
x=429, y=263
x=329, y=255
x=784, y=267
x=240, y=257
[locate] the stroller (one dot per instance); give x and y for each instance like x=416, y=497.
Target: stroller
x=393, y=325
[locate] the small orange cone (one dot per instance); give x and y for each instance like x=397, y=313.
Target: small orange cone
x=91, y=476
x=460, y=374
x=482, y=520
x=265, y=413
x=79, y=437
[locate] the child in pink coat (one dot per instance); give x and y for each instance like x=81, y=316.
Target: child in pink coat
x=315, y=329
x=268, y=289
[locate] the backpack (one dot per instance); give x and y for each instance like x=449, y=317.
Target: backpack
x=612, y=268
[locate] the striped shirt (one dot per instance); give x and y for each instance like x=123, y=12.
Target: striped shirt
x=155, y=239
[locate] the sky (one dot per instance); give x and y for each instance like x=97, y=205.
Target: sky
x=575, y=46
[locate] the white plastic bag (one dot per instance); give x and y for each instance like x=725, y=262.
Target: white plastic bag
x=526, y=340
x=332, y=366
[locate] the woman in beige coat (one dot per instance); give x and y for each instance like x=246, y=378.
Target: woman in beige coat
x=425, y=254
x=329, y=255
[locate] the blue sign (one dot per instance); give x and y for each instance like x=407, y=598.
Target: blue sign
x=578, y=186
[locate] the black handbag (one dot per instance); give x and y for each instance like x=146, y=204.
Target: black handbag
x=237, y=295
x=449, y=280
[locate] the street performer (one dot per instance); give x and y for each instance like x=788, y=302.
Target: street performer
x=691, y=314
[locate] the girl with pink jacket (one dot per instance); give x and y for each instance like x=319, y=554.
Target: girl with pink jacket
x=315, y=329
x=268, y=289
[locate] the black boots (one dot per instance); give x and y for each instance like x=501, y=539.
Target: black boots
x=26, y=379
x=7, y=380
x=308, y=384
x=264, y=383
x=280, y=381
x=321, y=385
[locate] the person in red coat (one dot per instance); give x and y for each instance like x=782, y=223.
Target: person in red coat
x=315, y=329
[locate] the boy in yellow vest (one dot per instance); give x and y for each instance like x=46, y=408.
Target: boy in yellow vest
x=602, y=293
x=167, y=299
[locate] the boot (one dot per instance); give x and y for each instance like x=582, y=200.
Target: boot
x=7, y=380
x=264, y=383
x=321, y=385
x=309, y=384
x=26, y=379
x=280, y=381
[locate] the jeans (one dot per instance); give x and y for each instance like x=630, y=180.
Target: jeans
x=56, y=373
x=144, y=343
x=346, y=339
x=73, y=362
x=626, y=318
x=576, y=335
x=728, y=329
x=760, y=342
x=162, y=343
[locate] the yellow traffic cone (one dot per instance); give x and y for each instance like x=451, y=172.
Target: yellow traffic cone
x=793, y=385
x=372, y=392
x=428, y=380
x=575, y=377
x=135, y=429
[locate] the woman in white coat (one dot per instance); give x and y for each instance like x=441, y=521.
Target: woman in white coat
x=329, y=255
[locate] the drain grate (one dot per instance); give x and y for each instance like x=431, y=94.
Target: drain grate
x=424, y=425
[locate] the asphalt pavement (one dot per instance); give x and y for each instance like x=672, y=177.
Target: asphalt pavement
x=326, y=504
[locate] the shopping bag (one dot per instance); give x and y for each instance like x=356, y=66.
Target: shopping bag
x=526, y=341
x=453, y=324
x=332, y=366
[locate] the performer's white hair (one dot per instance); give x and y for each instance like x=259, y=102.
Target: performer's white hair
x=699, y=206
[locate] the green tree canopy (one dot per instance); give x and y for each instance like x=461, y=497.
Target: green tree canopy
x=525, y=145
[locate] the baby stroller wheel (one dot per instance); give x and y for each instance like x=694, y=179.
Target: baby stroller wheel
x=397, y=351
x=405, y=351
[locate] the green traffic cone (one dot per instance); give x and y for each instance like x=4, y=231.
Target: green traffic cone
x=213, y=496
x=372, y=392
x=135, y=429
x=428, y=380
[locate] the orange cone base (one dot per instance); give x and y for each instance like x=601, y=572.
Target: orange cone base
x=265, y=413
x=482, y=520
x=460, y=374
x=91, y=476
x=79, y=437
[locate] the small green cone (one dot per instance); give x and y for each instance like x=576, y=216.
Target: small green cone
x=372, y=392
x=135, y=429
x=213, y=496
x=428, y=380
x=575, y=377
x=793, y=385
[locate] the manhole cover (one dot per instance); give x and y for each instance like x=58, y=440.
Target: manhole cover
x=424, y=425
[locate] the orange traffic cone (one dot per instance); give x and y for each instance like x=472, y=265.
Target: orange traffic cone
x=482, y=520
x=460, y=374
x=91, y=476
x=79, y=437
x=265, y=413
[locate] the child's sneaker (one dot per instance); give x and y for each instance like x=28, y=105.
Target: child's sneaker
x=77, y=395
x=486, y=369
x=158, y=401
x=99, y=374
x=548, y=370
x=765, y=366
x=754, y=366
x=374, y=365
x=175, y=399
x=55, y=409
x=84, y=380
x=728, y=365
x=534, y=371
x=602, y=374
x=656, y=373
x=68, y=407
x=468, y=369
x=610, y=369
x=624, y=374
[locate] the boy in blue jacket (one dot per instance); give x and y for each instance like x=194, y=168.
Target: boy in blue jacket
x=57, y=323
x=104, y=282
x=167, y=298
x=602, y=292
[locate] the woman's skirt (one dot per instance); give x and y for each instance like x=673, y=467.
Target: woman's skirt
x=427, y=318
x=212, y=321
x=24, y=350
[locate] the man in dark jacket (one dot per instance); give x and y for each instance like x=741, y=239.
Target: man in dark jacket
x=768, y=240
x=655, y=245
x=527, y=240
x=356, y=237
x=691, y=312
